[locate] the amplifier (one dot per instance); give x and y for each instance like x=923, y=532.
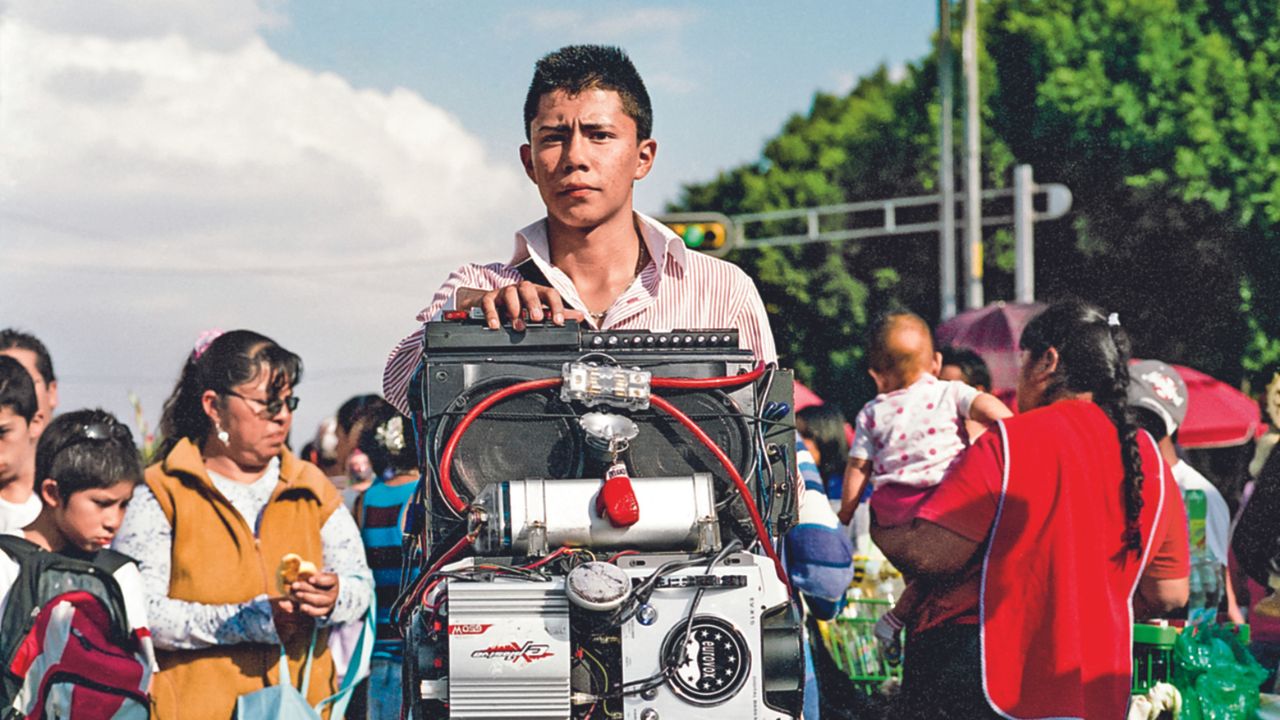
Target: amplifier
x=536, y=434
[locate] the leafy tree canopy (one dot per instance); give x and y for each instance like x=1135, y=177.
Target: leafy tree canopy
x=1162, y=117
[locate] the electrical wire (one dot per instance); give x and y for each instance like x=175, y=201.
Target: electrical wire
x=708, y=383
x=446, y=459
x=761, y=533
x=640, y=594
x=408, y=599
x=671, y=664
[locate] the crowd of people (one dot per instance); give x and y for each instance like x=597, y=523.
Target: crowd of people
x=242, y=567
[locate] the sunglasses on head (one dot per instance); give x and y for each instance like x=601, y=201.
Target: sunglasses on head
x=96, y=431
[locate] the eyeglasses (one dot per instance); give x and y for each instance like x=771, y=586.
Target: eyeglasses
x=270, y=408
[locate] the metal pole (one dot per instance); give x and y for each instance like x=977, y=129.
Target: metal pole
x=946, y=167
x=973, y=162
x=1024, y=243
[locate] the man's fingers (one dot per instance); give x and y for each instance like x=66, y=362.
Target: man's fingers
x=530, y=297
x=510, y=303
x=554, y=304
x=490, y=310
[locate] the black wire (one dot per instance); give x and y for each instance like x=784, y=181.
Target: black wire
x=669, y=667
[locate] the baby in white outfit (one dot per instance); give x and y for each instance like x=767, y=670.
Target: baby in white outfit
x=907, y=438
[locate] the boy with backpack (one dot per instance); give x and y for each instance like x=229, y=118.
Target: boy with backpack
x=20, y=424
x=59, y=579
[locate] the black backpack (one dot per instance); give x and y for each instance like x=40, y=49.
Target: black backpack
x=44, y=577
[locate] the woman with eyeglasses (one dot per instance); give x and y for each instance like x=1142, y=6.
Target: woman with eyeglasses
x=219, y=511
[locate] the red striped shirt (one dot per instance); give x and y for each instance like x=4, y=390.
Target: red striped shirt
x=677, y=290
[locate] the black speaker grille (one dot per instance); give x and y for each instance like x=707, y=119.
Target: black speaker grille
x=533, y=434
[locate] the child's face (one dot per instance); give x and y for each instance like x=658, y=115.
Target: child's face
x=89, y=519
x=17, y=446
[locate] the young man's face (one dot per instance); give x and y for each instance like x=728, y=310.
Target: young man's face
x=17, y=445
x=584, y=157
x=89, y=519
x=46, y=392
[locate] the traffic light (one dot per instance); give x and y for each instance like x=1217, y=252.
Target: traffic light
x=707, y=232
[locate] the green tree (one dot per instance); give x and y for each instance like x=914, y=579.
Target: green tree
x=1160, y=115
x=878, y=141
x=1162, y=118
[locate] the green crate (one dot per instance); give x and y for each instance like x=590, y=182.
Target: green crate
x=851, y=640
x=1152, y=655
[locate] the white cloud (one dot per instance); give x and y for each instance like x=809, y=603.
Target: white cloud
x=845, y=82
x=164, y=145
x=158, y=179
x=222, y=24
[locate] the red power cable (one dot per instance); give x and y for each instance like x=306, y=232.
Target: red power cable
x=446, y=459
x=706, y=383
x=761, y=533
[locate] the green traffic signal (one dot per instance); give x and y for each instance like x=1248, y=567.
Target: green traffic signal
x=701, y=236
x=706, y=232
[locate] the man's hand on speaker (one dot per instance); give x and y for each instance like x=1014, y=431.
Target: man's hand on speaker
x=538, y=302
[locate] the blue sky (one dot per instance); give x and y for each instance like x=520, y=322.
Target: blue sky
x=723, y=76
x=313, y=169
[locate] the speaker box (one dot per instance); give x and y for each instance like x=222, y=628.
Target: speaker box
x=536, y=434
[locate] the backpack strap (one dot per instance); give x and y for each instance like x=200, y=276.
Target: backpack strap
x=17, y=547
x=111, y=560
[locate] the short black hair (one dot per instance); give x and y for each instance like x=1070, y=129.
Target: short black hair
x=11, y=338
x=1151, y=422
x=17, y=390
x=824, y=425
x=356, y=409
x=972, y=366
x=87, y=449
x=575, y=68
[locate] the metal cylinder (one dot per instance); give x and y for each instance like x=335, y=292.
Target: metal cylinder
x=530, y=517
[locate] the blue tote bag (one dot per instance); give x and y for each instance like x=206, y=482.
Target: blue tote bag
x=285, y=702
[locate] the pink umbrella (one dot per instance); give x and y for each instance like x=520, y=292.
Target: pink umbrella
x=993, y=332
x=1218, y=415
x=804, y=397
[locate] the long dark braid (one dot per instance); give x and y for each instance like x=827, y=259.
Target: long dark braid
x=1093, y=357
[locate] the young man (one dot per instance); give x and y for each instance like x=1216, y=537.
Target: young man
x=588, y=120
x=20, y=425
x=28, y=350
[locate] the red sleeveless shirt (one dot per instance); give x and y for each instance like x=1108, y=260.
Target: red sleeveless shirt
x=1054, y=589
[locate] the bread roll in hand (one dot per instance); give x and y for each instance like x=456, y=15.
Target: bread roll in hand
x=292, y=569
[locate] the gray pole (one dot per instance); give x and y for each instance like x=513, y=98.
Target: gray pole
x=1024, y=243
x=946, y=167
x=973, y=163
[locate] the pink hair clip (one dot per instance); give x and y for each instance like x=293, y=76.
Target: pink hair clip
x=205, y=339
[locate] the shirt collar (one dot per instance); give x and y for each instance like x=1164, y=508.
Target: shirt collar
x=532, y=243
